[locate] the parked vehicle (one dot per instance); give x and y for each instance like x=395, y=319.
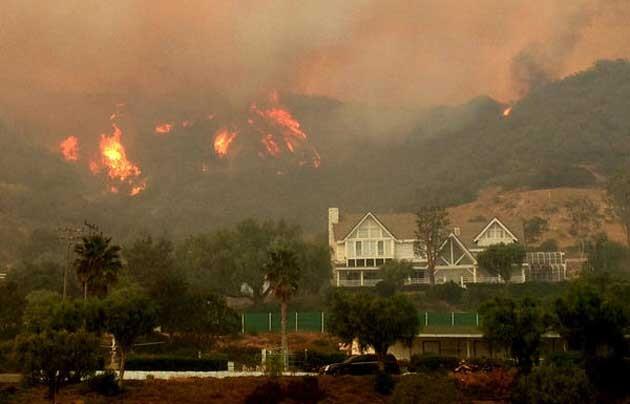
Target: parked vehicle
x=361, y=365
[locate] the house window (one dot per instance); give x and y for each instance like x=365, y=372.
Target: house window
x=358, y=249
x=352, y=263
x=381, y=248
x=379, y=262
x=360, y=263
x=369, y=263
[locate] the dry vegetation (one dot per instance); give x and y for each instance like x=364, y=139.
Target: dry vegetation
x=550, y=204
x=346, y=389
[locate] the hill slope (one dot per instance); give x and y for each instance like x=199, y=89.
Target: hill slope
x=566, y=134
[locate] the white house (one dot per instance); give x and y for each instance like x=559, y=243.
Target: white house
x=361, y=243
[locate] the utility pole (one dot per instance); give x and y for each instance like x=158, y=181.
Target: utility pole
x=69, y=235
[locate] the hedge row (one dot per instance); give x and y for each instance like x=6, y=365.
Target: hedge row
x=162, y=363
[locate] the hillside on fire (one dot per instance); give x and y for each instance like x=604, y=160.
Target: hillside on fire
x=187, y=165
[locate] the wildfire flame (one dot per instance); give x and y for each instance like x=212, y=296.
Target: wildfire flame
x=113, y=160
x=222, y=140
x=507, y=112
x=277, y=118
x=70, y=148
x=163, y=129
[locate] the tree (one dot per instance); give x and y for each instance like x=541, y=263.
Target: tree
x=207, y=317
x=148, y=259
x=618, y=190
x=432, y=230
x=605, y=255
x=590, y=322
x=11, y=308
x=393, y=274
x=502, y=259
x=129, y=314
x=57, y=357
x=585, y=219
x=515, y=326
x=97, y=263
x=372, y=320
x=282, y=273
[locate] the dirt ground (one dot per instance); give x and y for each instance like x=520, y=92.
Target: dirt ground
x=345, y=389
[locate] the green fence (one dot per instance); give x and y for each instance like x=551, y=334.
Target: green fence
x=315, y=321
x=296, y=321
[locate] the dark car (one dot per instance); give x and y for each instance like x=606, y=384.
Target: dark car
x=361, y=365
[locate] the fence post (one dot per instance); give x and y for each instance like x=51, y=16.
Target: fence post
x=242, y=323
x=296, y=321
x=323, y=322
x=452, y=319
x=269, y=321
x=426, y=318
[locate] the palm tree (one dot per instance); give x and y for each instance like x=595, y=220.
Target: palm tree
x=97, y=262
x=282, y=273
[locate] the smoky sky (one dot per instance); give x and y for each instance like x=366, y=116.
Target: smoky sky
x=396, y=52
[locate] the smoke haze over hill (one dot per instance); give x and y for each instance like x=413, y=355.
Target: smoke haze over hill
x=394, y=52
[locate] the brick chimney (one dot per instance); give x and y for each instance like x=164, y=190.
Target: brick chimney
x=333, y=218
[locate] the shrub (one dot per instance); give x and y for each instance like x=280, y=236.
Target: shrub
x=488, y=364
x=8, y=363
x=173, y=363
x=554, y=385
x=104, y=384
x=269, y=392
x=385, y=288
x=383, y=383
x=496, y=384
x=305, y=390
x=449, y=292
x=432, y=363
x=243, y=355
x=562, y=359
x=425, y=388
x=273, y=364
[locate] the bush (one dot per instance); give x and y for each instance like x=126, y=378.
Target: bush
x=8, y=363
x=425, y=388
x=383, y=383
x=554, y=385
x=449, y=292
x=495, y=384
x=432, y=363
x=488, y=364
x=385, y=288
x=314, y=360
x=173, y=363
x=305, y=390
x=242, y=355
x=104, y=384
x=562, y=359
x=269, y=392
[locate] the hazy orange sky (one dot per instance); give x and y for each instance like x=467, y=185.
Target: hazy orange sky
x=396, y=52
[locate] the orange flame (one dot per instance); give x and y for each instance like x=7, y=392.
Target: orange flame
x=507, y=111
x=114, y=161
x=163, y=128
x=270, y=145
x=70, y=148
x=277, y=117
x=222, y=140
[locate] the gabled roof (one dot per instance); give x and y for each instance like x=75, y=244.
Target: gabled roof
x=403, y=226
x=400, y=225
x=493, y=221
x=366, y=216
